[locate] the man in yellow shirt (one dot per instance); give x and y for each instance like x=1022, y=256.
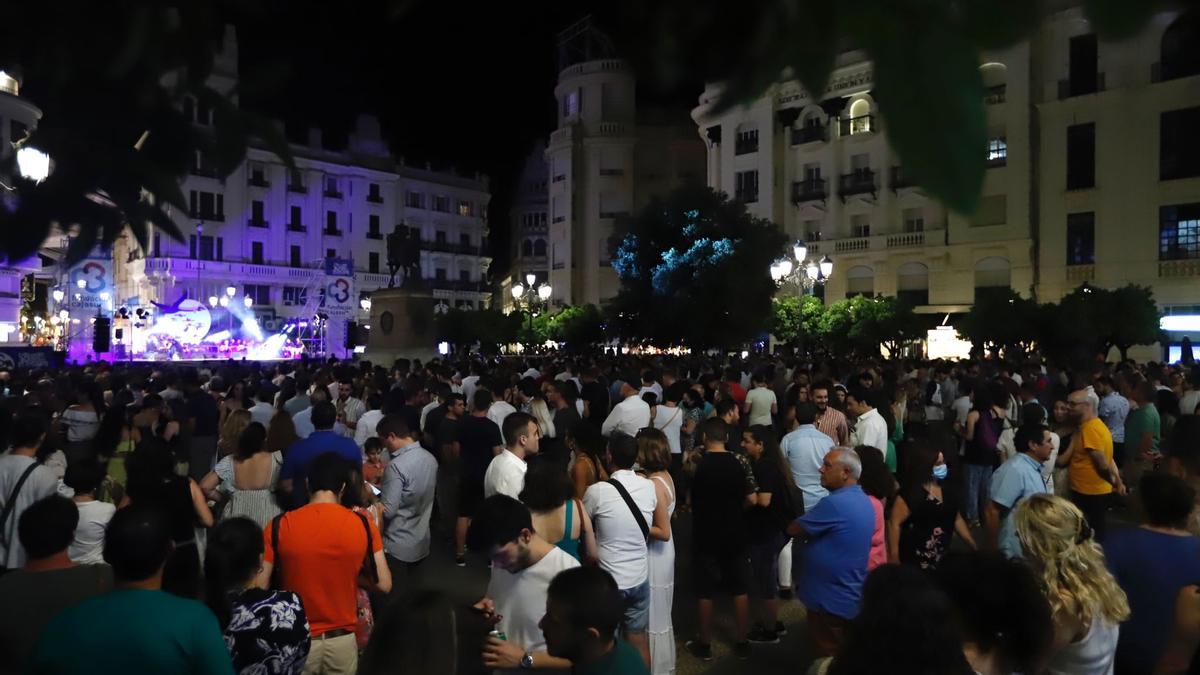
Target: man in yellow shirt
x=1093, y=474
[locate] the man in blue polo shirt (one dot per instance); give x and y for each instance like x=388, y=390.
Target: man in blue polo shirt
x=837, y=537
x=293, y=475
x=1013, y=482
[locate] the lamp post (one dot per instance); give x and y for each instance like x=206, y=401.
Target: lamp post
x=530, y=296
x=806, y=273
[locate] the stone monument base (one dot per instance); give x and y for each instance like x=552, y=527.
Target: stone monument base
x=402, y=326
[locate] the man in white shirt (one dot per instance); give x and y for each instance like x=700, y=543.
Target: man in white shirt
x=650, y=385
x=629, y=416
x=262, y=411
x=370, y=419
x=523, y=564
x=761, y=404
x=469, y=383
x=303, y=419
x=349, y=409
x=869, y=427
x=499, y=411
x=27, y=434
x=506, y=472
x=805, y=450
x=620, y=539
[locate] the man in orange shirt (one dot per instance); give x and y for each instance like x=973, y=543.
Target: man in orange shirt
x=320, y=550
x=1093, y=474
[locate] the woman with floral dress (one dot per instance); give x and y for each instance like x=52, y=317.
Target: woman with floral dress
x=266, y=631
x=925, y=513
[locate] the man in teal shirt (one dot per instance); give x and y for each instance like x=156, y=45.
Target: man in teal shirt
x=1143, y=432
x=583, y=611
x=136, y=627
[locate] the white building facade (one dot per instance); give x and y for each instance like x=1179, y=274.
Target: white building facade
x=1093, y=173
x=267, y=230
x=17, y=116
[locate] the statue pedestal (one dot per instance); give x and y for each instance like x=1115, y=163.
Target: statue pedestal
x=401, y=326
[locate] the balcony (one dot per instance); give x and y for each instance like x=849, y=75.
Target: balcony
x=256, y=222
x=332, y=194
x=611, y=129
x=857, y=183
x=1179, y=268
x=1081, y=273
x=296, y=227
x=878, y=242
x=904, y=240
x=374, y=234
x=900, y=179
x=745, y=146
x=1069, y=88
x=331, y=232
x=810, y=134
x=375, y=199
x=810, y=190
x=297, y=188
x=995, y=95
x=450, y=247
x=852, y=126
x=207, y=216
x=204, y=171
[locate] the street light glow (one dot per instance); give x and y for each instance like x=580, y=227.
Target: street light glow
x=800, y=251
x=544, y=291
x=826, y=266
x=81, y=283
x=225, y=301
x=33, y=164
x=212, y=301
x=517, y=291
x=230, y=291
x=58, y=294
x=247, y=301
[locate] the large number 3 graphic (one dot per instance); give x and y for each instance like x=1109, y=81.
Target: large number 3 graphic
x=93, y=274
x=339, y=291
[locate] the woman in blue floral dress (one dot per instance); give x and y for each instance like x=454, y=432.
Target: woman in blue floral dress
x=266, y=631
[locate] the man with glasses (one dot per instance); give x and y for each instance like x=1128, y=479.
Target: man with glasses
x=1013, y=482
x=1093, y=474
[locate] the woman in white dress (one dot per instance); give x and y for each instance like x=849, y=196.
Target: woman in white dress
x=669, y=417
x=654, y=458
x=1085, y=601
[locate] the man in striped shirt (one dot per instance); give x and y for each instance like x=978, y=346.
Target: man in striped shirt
x=830, y=421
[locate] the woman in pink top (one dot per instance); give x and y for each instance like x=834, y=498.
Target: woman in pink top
x=879, y=485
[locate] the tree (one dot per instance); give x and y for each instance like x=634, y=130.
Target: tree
x=489, y=327
x=1001, y=319
x=1134, y=317
x=111, y=84
x=922, y=51
x=882, y=322
x=797, y=320
x=578, y=326
x=694, y=269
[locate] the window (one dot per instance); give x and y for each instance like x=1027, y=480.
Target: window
x=860, y=120
x=440, y=274
x=464, y=276
x=997, y=151
x=1178, y=54
x=1083, y=75
x=466, y=208
x=295, y=180
x=256, y=214
x=373, y=262
x=812, y=172
x=201, y=248
x=331, y=226
x=746, y=142
x=860, y=225
x=295, y=222
x=746, y=186
x=539, y=248
x=220, y=248
x=157, y=250
x=1179, y=144
x=1081, y=238
x=860, y=164
x=260, y=294
x=812, y=230
x=1081, y=156
x=993, y=210
x=331, y=187
x=527, y=248
x=373, y=227
x=414, y=200
x=295, y=257
x=571, y=103
x=464, y=240
x=258, y=175
x=294, y=296
x=256, y=253
x=373, y=193
x=439, y=237
x=1179, y=232
x=914, y=220
x=441, y=203
x=330, y=253
x=206, y=205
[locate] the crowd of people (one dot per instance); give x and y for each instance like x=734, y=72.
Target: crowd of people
x=930, y=517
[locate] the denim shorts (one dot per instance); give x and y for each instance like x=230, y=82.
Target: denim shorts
x=636, y=601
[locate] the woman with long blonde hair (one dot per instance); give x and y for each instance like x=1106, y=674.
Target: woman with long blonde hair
x=231, y=429
x=1085, y=601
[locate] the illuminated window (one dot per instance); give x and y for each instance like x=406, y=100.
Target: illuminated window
x=466, y=208
x=1081, y=238
x=1179, y=232
x=997, y=151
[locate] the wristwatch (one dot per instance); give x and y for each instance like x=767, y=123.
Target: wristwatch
x=527, y=661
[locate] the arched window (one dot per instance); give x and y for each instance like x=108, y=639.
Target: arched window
x=539, y=247
x=746, y=140
x=860, y=117
x=912, y=283
x=995, y=81
x=860, y=280
x=1179, y=54
x=994, y=272
x=527, y=248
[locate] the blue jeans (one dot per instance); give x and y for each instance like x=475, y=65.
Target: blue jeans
x=979, y=480
x=636, y=602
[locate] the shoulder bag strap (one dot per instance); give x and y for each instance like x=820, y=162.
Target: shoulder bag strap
x=11, y=502
x=369, y=563
x=637, y=513
x=275, y=579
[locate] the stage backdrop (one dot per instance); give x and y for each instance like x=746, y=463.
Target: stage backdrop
x=339, y=303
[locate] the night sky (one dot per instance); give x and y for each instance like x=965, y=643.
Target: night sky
x=463, y=84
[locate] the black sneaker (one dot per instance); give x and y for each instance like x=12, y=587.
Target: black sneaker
x=780, y=629
x=699, y=650
x=742, y=649
x=460, y=560
x=762, y=636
